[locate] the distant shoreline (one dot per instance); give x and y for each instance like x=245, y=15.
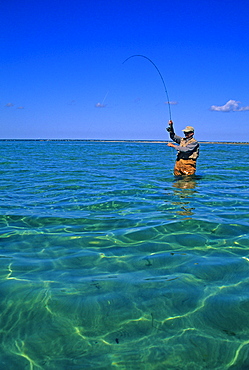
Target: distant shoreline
x=129, y=141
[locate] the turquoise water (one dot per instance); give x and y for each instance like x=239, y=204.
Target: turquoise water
x=108, y=262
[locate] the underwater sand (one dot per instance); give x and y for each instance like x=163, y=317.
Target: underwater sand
x=109, y=262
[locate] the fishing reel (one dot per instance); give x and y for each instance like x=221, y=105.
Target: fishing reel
x=169, y=129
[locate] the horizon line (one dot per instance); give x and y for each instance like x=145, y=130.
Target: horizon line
x=126, y=140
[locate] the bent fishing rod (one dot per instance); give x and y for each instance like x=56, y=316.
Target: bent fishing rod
x=165, y=89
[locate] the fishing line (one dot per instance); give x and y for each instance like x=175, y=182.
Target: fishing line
x=105, y=98
x=165, y=89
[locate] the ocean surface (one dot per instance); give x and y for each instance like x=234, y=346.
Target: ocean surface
x=109, y=262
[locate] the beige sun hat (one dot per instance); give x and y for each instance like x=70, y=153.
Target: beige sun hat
x=189, y=129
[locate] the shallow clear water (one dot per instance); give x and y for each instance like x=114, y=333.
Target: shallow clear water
x=108, y=262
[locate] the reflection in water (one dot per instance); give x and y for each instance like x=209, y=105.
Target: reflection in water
x=184, y=188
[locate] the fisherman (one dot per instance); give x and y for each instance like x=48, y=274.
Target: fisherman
x=188, y=150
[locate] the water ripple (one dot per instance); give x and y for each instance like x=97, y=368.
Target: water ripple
x=109, y=262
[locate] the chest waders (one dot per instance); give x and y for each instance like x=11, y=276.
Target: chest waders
x=186, y=162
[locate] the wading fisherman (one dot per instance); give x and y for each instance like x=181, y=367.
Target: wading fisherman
x=188, y=150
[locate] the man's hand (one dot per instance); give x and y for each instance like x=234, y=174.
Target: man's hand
x=170, y=128
x=171, y=145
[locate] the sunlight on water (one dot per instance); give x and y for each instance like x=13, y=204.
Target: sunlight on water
x=108, y=262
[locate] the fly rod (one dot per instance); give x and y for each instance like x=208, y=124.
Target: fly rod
x=165, y=89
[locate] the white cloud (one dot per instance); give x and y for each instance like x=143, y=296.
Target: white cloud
x=171, y=102
x=102, y=105
x=9, y=105
x=99, y=105
x=230, y=106
x=20, y=108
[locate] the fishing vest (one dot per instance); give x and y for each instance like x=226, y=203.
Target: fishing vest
x=194, y=155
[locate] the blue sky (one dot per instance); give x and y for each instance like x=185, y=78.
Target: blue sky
x=62, y=71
